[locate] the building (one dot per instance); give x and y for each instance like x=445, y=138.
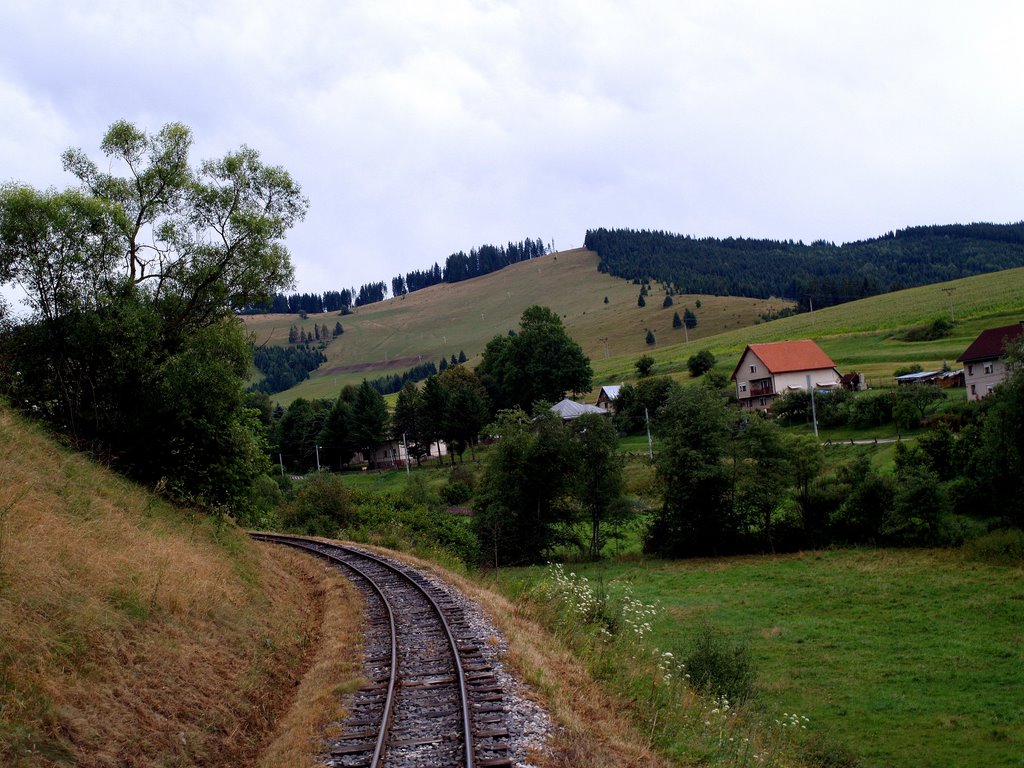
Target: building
x=984, y=363
x=607, y=396
x=570, y=409
x=392, y=454
x=766, y=371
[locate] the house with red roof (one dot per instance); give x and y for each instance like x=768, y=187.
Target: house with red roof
x=766, y=371
x=984, y=363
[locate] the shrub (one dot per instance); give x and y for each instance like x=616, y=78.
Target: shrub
x=455, y=492
x=701, y=363
x=1003, y=547
x=937, y=329
x=720, y=668
x=320, y=508
x=872, y=410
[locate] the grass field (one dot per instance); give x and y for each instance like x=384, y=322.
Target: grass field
x=442, y=320
x=392, y=336
x=861, y=335
x=909, y=658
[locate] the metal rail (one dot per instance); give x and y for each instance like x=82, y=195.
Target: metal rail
x=317, y=548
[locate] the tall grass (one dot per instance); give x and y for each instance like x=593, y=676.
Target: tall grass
x=611, y=630
x=133, y=633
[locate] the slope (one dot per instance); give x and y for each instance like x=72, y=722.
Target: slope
x=442, y=320
x=864, y=335
x=133, y=632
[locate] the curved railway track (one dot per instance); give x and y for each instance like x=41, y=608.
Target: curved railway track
x=431, y=699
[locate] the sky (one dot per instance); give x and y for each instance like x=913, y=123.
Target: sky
x=421, y=128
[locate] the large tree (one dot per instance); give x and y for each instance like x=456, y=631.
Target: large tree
x=466, y=409
x=598, y=481
x=131, y=349
x=523, y=497
x=539, y=363
x=369, y=420
x=696, y=517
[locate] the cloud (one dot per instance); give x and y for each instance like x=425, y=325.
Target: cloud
x=418, y=129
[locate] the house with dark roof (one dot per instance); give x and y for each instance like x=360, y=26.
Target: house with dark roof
x=766, y=371
x=984, y=360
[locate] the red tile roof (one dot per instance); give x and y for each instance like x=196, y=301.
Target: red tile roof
x=786, y=356
x=991, y=343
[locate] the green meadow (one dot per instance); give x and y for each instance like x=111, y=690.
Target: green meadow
x=908, y=658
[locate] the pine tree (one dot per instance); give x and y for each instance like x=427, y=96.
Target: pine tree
x=676, y=321
x=338, y=330
x=454, y=361
x=689, y=318
x=462, y=356
x=640, y=302
x=293, y=335
x=650, y=336
x=443, y=366
x=667, y=302
x=316, y=331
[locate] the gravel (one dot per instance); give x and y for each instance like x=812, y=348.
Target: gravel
x=528, y=724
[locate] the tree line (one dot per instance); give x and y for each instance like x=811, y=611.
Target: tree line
x=463, y=266
x=816, y=275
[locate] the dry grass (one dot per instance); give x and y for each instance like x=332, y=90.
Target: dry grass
x=393, y=335
x=335, y=671
x=134, y=633
x=593, y=728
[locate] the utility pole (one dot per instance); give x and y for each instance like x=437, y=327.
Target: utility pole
x=405, y=445
x=317, y=458
x=814, y=413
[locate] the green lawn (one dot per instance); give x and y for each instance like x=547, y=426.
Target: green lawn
x=911, y=658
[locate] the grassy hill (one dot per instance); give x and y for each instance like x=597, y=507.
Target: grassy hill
x=863, y=335
x=442, y=320
x=133, y=632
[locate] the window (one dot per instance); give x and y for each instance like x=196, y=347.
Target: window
x=989, y=367
x=743, y=387
x=753, y=369
x=974, y=389
x=763, y=401
x=970, y=370
x=989, y=388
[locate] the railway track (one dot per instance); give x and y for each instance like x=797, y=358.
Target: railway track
x=430, y=699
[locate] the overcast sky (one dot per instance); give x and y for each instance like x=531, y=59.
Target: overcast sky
x=421, y=128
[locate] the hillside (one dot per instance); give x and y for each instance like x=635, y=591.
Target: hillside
x=864, y=335
x=135, y=633
x=817, y=275
x=442, y=320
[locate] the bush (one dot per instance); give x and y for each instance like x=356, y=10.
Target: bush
x=455, y=492
x=871, y=410
x=831, y=408
x=320, y=508
x=937, y=329
x=720, y=668
x=701, y=363
x=1003, y=547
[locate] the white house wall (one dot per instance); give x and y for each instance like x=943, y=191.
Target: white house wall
x=981, y=377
